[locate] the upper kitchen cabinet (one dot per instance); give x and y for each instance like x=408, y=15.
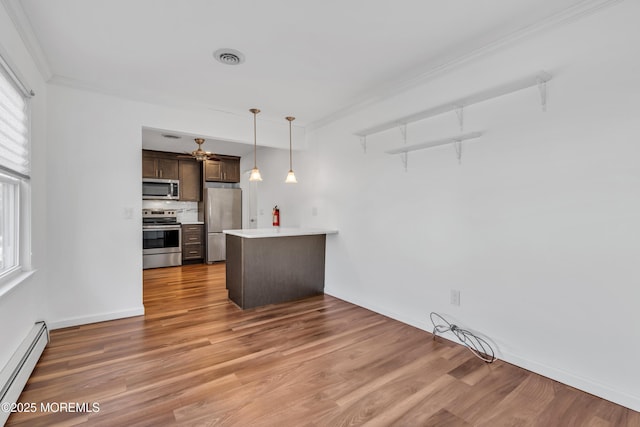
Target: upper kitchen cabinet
x=231, y=169
x=190, y=180
x=156, y=164
x=213, y=170
x=225, y=169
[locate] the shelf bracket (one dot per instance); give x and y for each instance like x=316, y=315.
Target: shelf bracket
x=542, y=88
x=460, y=114
x=404, y=158
x=403, y=131
x=457, y=145
x=363, y=143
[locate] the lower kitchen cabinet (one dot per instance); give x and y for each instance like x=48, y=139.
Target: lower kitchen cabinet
x=193, y=242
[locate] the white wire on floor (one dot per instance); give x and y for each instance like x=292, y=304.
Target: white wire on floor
x=479, y=347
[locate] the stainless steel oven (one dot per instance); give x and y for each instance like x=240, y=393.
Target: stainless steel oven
x=161, y=239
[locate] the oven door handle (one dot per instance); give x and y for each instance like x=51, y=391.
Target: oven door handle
x=160, y=227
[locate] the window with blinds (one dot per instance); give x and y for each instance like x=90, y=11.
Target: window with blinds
x=14, y=166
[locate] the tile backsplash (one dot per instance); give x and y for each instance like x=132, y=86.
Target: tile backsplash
x=186, y=211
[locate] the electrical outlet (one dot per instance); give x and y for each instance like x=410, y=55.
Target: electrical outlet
x=455, y=297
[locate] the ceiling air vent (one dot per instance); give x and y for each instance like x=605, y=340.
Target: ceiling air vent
x=171, y=136
x=229, y=56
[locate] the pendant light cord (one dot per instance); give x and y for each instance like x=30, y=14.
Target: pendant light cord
x=290, y=119
x=255, y=112
x=255, y=142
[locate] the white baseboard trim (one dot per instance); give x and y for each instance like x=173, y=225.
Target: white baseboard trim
x=585, y=384
x=424, y=325
x=103, y=317
x=581, y=383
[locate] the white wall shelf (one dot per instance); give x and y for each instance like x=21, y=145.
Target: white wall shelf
x=539, y=79
x=435, y=143
x=456, y=140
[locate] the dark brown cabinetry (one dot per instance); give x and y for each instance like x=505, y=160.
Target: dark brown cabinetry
x=192, y=242
x=225, y=169
x=213, y=170
x=272, y=270
x=231, y=170
x=156, y=164
x=165, y=165
x=149, y=166
x=190, y=180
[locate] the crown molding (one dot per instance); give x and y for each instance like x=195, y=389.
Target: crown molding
x=72, y=83
x=25, y=30
x=442, y=65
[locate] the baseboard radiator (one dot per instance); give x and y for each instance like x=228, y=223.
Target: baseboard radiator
x=15, y=374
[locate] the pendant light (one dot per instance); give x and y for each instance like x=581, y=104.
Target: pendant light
x=255, y=172
x=291, y=177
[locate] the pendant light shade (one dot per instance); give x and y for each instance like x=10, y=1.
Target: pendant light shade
x=291, y=177
x=255, y=172
x=255, y=175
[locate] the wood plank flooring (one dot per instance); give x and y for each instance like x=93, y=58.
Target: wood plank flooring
x=195, y=359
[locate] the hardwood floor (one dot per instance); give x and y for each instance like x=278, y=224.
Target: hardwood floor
x=195, y=359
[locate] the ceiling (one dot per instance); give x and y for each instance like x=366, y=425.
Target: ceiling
x=156, y=139
x=313, y=60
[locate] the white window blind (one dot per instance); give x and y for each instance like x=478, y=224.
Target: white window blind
x=14, y=128
x=14, y=173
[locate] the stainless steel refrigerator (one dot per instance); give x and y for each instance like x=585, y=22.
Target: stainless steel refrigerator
x=223, y=207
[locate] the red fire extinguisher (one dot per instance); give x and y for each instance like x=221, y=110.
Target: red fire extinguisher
x=276, y=216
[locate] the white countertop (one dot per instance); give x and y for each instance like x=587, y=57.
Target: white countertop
x=255, y=233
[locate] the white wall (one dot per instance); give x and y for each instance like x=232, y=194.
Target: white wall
x=94, y=175
x=538, y=227
x=290, y=198
x=95, y=252
x=22, y=306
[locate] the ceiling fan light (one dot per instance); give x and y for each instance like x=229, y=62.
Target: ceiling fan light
x=199, y=154
x=291, y=178
x=255, y=175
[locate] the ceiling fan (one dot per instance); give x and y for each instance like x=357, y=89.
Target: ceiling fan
x=199, y=154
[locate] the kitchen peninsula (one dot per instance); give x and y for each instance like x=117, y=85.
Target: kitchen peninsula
x=273, y=265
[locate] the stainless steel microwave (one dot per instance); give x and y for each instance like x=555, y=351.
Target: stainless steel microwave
x=160, y=189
